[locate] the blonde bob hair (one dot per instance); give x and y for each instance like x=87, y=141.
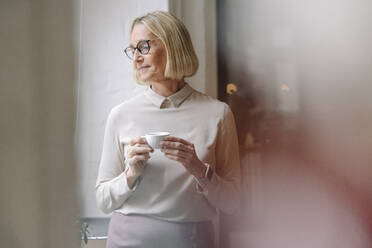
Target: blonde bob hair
x=181, y=58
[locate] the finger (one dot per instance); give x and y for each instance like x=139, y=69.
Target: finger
x=177, y=153
x=137, y=158
x=176, y=145
x=137, y=150
x=176, y=139
x=138, y=145
x=137, y=140
x=175, y=158
x=142, y=144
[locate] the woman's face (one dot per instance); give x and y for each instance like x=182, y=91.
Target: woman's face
x=151, y=66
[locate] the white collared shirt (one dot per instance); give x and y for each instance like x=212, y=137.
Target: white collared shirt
x=166, y=190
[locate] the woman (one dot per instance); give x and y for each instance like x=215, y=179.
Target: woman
x=168, y=197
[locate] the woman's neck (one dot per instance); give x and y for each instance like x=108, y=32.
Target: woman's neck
x=167, y=88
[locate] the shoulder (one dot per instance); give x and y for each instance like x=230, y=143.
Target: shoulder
x=125, y=107
x=210, y=104
x=128, y=104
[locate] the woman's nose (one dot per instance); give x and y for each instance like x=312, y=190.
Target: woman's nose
x=137, y=55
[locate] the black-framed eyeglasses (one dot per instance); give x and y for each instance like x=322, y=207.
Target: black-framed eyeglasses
x=143, y=47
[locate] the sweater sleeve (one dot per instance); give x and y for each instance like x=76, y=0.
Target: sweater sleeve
x=223, y=189
x=111, y=188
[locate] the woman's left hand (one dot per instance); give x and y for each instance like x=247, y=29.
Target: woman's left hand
x=184, y=152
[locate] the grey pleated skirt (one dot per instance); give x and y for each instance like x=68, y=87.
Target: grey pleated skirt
x=147, y=232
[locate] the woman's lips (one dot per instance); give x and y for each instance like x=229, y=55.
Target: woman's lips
x=142, y=68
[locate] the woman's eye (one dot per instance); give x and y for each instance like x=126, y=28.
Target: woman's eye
x=143, y=46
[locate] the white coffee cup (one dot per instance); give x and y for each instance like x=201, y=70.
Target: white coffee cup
x=154, y=139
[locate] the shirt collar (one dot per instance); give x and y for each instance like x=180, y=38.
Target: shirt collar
x=176, y=99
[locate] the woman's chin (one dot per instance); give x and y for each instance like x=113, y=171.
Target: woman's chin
x=148, y=79
x=145, y=78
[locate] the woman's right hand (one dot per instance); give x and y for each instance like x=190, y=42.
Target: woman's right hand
x=137, y=154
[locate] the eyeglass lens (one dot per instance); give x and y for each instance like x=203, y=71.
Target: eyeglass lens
x=143, y=47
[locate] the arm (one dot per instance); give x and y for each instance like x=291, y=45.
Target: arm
x=111, y=188
x=223, y=188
